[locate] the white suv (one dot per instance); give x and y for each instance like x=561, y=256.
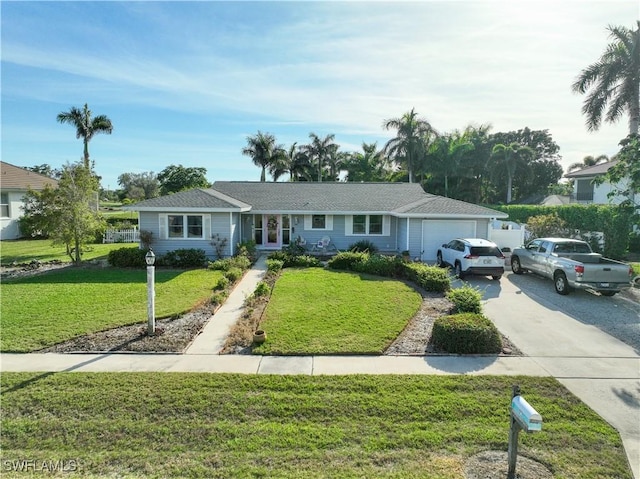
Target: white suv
x=472, y=256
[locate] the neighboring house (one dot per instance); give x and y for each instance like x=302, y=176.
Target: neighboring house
x=584, y=191
x=394, y=216
x=556, y=200
x=14, y=183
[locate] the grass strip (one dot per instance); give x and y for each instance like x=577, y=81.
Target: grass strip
x=43, y=310
x=25, y=251
x=317, y=311
x=222, y=425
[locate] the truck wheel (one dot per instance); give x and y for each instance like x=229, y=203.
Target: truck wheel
x=458, y=270
x=516, y=267
x=561, y=283
x=496, y=277
x=439, y=261
x=607, y=293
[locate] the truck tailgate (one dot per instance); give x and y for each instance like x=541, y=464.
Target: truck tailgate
x=605, y=273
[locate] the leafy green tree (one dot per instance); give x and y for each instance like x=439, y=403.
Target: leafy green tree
x=67, y=214
x=139, y=186
x=509, y=159
x=179, y=178
x=264, y=152
x=411, y=142
x=86, y=126
x=320, y=150
x=613, y=81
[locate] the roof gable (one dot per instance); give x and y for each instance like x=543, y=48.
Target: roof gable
x=16, y=178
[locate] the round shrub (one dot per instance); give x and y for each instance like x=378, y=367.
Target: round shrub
x=262, y=289
x=431, y=278
x=304, y=261
x=347, y=260
x=274, y=265
x=466, y=333
x=222, y=284
x=380, y=265
x=466, y=299
x=233, y=274
x=127, y=258
x=219, y=297
x=184, y=258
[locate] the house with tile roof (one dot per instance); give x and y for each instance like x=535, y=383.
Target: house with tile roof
x=585, y=191
x=395, y=217
x=14, y=184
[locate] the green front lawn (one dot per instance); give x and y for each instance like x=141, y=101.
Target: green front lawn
x=236, y=426
x=46, y=309
x=317, y=311
x=25, y=251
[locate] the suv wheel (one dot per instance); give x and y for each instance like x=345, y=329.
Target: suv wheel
x=439, y=261
x=458, y=270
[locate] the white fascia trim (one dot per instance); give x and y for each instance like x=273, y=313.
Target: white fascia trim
x=446, y=216
x=320, y=212
x=188, y=210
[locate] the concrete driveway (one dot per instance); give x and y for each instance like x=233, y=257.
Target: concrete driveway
x=590, y=343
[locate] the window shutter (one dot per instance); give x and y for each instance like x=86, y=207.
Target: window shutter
x=386, y=225
x=329, y=222
x=206, y=226
x=162, y=226
x=307, y=222
x=348, y=225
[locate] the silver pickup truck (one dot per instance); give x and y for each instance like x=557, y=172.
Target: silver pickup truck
x=572, y=264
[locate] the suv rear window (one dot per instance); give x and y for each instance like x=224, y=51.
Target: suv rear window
x=485, y=251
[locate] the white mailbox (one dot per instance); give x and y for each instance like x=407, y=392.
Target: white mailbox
x=527, y=417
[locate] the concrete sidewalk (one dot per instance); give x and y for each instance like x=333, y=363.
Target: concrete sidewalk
x=602, y=371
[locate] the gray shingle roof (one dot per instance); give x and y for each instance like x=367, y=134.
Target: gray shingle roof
x=402, y=199
x=591, y=171
x=191, y=199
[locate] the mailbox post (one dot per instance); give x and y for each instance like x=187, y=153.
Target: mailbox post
x=524, y=417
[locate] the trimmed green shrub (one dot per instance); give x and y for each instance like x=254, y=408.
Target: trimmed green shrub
x=466, y=299
x=274, y=265
x=219, y=297
x=241, y=262
x=347, y=260
x=363, y=246
x=291, y=261
x=247, y=249
x=184, y=258
x=127, y=258
x=262, y=289
x=466, y=333
x=222, y=284
x=233, y=274
x=431, y=278
x=389, y=266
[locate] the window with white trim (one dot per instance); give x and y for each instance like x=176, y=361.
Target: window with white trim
x=367, y=225
x=318, y=222
x=4, y=205
x=185, y=226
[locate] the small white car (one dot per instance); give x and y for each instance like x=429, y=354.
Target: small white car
x=472, y=256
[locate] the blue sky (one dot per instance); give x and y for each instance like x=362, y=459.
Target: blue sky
x=187, y=82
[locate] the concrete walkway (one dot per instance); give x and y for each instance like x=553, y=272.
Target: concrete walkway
x=602, y=371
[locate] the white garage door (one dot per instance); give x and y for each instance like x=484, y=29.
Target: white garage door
x=437, y=232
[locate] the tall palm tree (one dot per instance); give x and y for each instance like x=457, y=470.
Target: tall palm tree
x=85, y=126
x=588, y=161
x=294, y=162
x=264, y=151
x=370, y=165
x=614, y=80
x=447, y=153
x=410, y=143
x=511, y=157
x=320, y=149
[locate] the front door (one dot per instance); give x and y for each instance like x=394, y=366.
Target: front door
x=272, y=230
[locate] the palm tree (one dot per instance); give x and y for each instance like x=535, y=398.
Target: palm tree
x=614, y=80
x=447, y=153
x=512, y=157
x=370, y=165
x=85, y=126
x=294, y=162
x=587, y=162
x=320, y=149
x=410, y=143
x=263, y=151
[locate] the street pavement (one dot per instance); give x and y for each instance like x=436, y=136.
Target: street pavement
x=601, y=370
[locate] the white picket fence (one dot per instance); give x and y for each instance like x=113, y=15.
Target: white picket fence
x=122, y=236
